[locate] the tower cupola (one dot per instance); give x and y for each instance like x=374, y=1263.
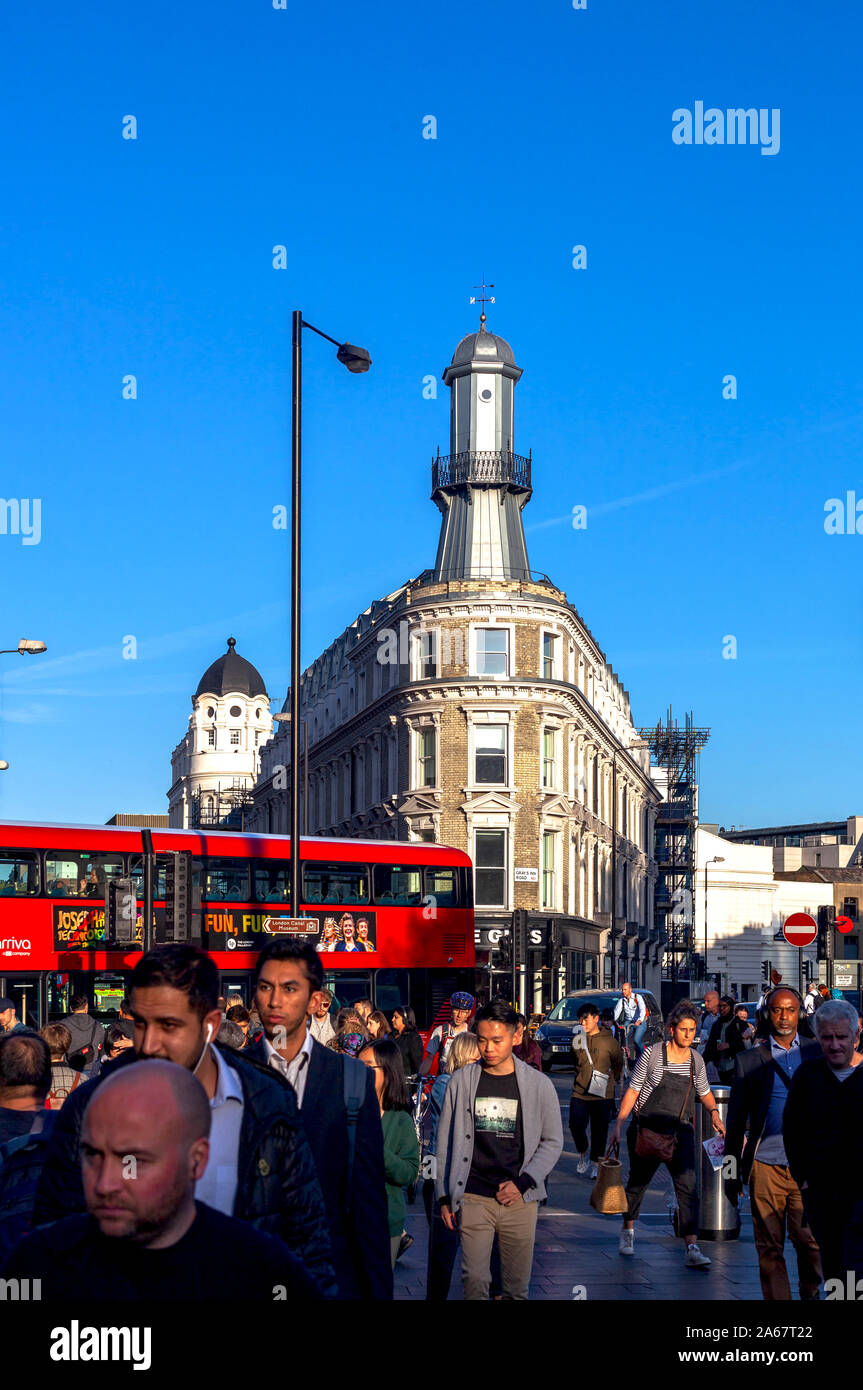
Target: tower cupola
x=481, y=486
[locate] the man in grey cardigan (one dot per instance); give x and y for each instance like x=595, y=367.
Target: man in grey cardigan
x=499, y=1137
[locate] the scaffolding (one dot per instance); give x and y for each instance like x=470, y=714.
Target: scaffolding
x=676, y=751
x=221, y=808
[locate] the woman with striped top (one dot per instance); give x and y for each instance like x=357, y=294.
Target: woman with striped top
x=664, y=1085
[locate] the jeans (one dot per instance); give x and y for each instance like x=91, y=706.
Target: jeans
x=442, y=1248
x=682, y=1170
x=596, y=1113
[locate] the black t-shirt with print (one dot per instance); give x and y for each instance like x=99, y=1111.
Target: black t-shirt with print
x=498, y=1140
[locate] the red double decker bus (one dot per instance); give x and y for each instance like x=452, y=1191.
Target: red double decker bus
x=392, y=921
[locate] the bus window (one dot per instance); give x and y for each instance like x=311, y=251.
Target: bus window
x=392, y=990
x=136, y=874
x=398, y=885
x=348, y=988
x=272, y=880
x=19, y=873
x=73, y=873
x=108, y=992
x=442, y=886
x=335, y=883
x=226, y=880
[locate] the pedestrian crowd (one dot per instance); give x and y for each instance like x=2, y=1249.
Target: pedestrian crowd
x=132, y=1156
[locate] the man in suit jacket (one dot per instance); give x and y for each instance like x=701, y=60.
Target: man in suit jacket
x=349, y=1155
x=759, y=1092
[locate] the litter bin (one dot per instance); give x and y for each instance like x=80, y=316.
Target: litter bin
x=718, y=1218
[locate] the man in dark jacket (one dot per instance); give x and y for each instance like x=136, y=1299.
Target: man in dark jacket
x=149, y=1237
x=88, y=1035
x=759, y=1092
x=725, y=1041
x=261, y=1168
x=823, y=1133
x=348, y=1148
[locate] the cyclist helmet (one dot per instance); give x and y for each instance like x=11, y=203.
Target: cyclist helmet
x=461, y=1000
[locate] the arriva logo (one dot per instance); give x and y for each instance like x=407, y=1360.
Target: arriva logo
x=11, y=945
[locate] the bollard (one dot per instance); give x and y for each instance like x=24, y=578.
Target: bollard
x=718, y=1219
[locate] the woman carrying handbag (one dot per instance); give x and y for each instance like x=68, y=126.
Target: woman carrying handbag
x=662, y=1092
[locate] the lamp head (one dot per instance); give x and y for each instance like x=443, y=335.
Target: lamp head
x=356, y=359
x=31, y=647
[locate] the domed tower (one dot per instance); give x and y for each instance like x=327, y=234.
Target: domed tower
x=216, y=764
x=482, y=485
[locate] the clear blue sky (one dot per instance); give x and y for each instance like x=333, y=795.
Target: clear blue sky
x=304, y=127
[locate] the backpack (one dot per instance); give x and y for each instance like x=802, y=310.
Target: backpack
x=21, y=1164
x=87, y=1055
x=354, y=1091
x=58, y=1094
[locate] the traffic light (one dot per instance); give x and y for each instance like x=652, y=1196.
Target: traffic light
x=121, y=911
x=826, y=935
x=519, y=938
x=178, y=898
x=810, y=970
x=766, y=969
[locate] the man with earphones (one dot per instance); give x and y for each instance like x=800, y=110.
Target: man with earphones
x=759, y=1091
x=146, y=1143
x=261, y=1167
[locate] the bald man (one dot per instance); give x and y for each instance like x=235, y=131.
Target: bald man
x=145, y=1144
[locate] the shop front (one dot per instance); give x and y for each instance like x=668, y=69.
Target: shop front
x=559, y=955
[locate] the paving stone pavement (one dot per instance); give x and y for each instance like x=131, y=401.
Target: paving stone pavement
x=576, y=1247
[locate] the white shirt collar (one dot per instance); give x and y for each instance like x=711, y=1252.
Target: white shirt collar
x=276, y=1059
x=228, y=1084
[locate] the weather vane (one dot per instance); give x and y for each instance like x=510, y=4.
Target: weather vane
x=483, y=299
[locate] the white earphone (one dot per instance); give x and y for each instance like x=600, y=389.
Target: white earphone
x=204, y=1048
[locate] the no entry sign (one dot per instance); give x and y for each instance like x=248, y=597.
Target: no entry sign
x=800, y=929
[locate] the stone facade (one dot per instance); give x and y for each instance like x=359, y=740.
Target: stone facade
x=473, y=707
x=405, y=721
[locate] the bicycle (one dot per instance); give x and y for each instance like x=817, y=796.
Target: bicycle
x=420, y=1087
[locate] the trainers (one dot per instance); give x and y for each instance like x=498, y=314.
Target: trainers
x=592, y=1171
x=407, y=1241
x=626, y=1244
x=582, y=1165
x=694, y=1259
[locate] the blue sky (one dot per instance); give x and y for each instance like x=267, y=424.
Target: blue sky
x=303, y=127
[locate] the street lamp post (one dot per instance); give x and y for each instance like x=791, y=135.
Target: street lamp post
x=26, y=647
x=717, y=859
x=356, y=359
x=613, y=866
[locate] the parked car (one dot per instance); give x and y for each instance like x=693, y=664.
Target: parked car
x=555, y=1033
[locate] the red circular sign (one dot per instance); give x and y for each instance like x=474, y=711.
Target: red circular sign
x=800, y=929
x=844, y=924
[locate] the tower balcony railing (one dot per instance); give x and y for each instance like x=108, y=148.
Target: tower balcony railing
x=480, y=466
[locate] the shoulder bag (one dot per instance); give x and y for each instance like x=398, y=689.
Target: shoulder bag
x=649, y=1143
